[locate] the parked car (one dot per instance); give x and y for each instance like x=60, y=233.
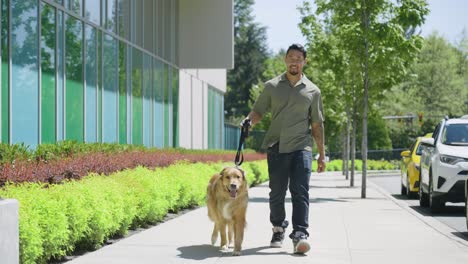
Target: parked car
x=410, y=160
x=466, y=202
x=444, y=164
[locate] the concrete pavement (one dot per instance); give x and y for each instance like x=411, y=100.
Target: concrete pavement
x=343, y=229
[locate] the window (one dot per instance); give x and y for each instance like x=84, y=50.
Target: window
x=48, y=74
x=111, y=15
x=91, y=83
x=158, y=109
x=74, y=101
x=93, y=11
x=137, y=107
x=5, y=94
x=109, y=95
x=123, y=93
x=24, y=72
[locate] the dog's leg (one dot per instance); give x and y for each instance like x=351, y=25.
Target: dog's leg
x=230, y=233
x=222, y=231
x=214, y=235
x=239, y=226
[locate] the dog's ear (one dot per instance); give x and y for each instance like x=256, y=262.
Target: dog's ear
x=222, y=171
x=242, y=172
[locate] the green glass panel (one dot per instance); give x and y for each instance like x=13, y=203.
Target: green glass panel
x=175, y=103
x=74, y=80
x=99, y=87
x=167, y=129
x=47, y=74
x=122, y=93
x=5, y=72
x=137, y=105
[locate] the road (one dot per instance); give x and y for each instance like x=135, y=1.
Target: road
x=453, y=215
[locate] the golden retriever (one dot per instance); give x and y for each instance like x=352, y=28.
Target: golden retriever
x=227, y=197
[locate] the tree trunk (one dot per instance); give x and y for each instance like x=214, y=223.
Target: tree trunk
x=365, y=22
x=347, y=134
x=353, y=146
x=343, y=153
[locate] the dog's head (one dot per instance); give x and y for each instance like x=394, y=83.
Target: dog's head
x=233, y=181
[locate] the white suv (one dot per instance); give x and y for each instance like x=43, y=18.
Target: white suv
x=444, y=164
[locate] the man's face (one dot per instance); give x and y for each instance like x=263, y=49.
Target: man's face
x=295, y=62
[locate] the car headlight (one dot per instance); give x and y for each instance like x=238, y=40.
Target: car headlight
x=451, y=159
x=416, y=166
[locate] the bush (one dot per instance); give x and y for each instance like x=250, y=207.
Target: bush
x=56, y=219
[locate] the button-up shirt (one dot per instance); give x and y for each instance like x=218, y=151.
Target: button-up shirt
x=293, y=110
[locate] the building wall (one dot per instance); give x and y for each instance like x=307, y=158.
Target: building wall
x=104, y=71
x=206, y=27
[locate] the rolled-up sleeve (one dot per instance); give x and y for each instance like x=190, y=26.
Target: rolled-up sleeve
x=263, y=102
x=316, y=108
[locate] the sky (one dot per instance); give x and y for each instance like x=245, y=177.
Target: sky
x=281, y=18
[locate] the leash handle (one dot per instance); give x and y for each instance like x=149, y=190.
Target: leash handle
x=244, y=134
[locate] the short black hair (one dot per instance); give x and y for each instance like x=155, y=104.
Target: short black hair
x=297, y=47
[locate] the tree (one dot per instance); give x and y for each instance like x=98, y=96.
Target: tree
x=250, y=54
x=375, y=35
x=435, y=85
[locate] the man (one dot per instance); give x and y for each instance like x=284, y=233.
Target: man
x=295, y=104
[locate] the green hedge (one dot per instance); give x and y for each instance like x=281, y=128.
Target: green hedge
x=57, y=219
x=336, y=165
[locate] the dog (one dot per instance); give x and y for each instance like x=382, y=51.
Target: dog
x=227, y=198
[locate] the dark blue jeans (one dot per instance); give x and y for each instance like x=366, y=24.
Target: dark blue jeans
x=295, y=168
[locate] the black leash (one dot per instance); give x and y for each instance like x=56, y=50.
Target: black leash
x=244, y=134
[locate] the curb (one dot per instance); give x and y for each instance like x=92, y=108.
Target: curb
x=438, y=226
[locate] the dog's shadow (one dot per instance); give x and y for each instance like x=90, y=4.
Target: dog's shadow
x=201, y=252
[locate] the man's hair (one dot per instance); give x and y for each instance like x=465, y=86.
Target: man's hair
x=297, y=47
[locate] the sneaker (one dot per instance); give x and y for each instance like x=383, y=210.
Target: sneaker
x=301, y=246
x=278, y=237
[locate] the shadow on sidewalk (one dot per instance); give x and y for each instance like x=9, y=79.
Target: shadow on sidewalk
x=201, y=252
x=463, y=235
x=447, y=211
x=288, y=200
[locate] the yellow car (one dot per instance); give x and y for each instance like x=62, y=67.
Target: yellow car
x=410, y=168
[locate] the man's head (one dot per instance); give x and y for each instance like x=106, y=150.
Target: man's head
x=296, y=57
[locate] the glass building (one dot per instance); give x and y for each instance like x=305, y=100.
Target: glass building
x=148, y=72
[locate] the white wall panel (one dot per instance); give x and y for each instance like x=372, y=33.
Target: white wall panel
x=206, y=34
x=205, y=116
x=198, y=114
x=185, y=110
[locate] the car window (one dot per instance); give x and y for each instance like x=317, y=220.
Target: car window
x=455, y=134
x=412, y=146
x=419, y=150
x=436, y=132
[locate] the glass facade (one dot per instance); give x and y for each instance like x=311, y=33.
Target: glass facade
x=215, y=119
x=101, y=71
x=91, y=71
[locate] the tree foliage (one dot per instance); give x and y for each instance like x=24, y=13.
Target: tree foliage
x=434, y=87
x=250, y=54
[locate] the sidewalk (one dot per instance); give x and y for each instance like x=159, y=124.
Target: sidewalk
x=343, y=229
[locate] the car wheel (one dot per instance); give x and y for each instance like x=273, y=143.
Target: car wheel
x=409, y=193
x=423, y=198
x=403, y=189
x=466, y=207
x=435, y=203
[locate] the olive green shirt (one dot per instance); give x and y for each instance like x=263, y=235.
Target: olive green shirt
x=293, y=110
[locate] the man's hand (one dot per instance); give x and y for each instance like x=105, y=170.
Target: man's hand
x=245, y=122
x=321, y=165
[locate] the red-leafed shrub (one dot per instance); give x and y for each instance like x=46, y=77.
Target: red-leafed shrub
x=75, y=167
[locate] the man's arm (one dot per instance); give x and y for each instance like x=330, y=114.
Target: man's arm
x=319, y=137
x=254, y=117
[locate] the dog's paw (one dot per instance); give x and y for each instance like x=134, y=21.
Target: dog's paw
x=213, y=240
x=236, y=253
x=224, y=247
